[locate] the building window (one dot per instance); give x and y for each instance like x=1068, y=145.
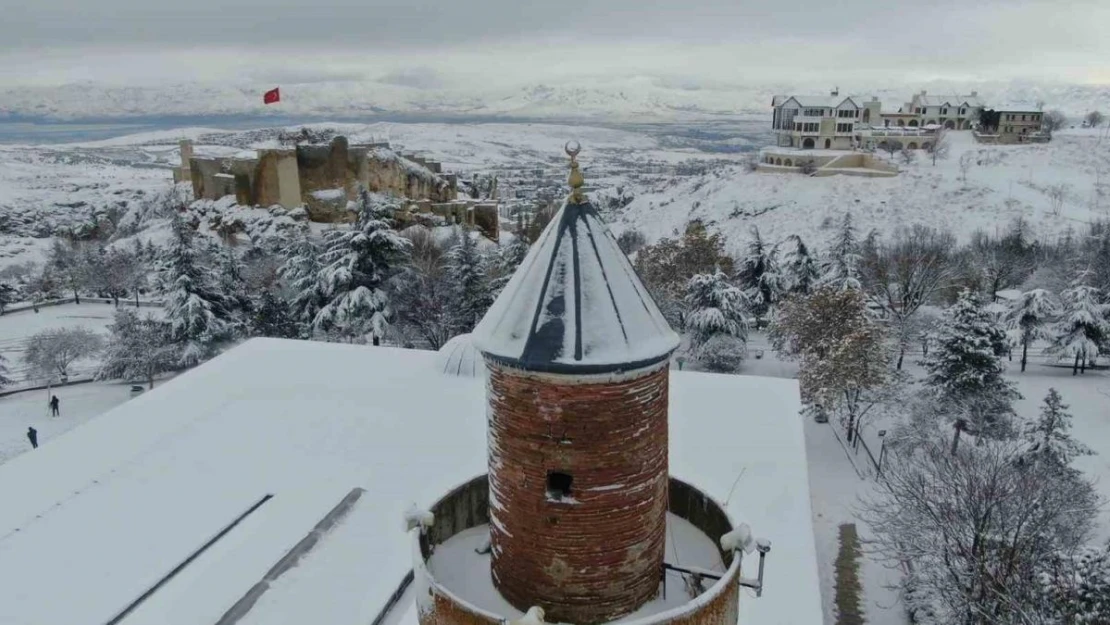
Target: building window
x=917, y=110
x=558, y=485
x=944, y=111
x=844, y=114
x=963, y=111
x=844, y=127
x=1022, y=118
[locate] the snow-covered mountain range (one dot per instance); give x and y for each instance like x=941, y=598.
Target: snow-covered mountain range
x=632, y=98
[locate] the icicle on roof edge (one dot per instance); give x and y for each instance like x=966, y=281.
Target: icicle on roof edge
x=575, y=304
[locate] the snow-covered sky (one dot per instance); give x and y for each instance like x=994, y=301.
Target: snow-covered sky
x=432, y=44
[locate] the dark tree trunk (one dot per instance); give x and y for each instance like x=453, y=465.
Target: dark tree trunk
x=150, y=381
x=76, y=296
x=136, y=299
x=956, y=437
x=1024, y=355
x=1075, y=367
x=901, y=356
x=1083, y=364
x=377, y=341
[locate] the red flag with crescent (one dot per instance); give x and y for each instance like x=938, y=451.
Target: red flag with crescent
x=272, y=96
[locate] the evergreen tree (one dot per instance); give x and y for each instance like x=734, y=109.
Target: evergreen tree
x=271, y=318
x=759, y=274
x=841, y=267
x=1083, y=330
x=301, y=273
x=1076, y=587
x=138, y=348
x=191, y=301
x=509, y=258
x=1048, y=436
x=1027, y=319
x=234, y=304
x=471, y=294
x=801, y=268
x=356, y=265
x=715, y=308
x=965, y=370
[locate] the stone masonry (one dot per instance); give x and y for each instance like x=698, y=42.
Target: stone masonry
x=595, y=554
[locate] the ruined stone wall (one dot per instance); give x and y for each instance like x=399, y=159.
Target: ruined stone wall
x=595, y=555
x=276, y=180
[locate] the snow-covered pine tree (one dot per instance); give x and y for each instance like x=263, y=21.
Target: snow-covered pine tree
x=271, y=318
x=759, y=274
x=801, y=270
x=965, y=370
x=1027, y=319
x=1048, y=436
x=356, y=265
x=301, y=274
x=138, y=349
x=235, y=306
x=509, y=258
x=1082, y=331
x=841, y=266
x=469, y=280
x=191, y=300
x=1076, y=587
x=716, y=308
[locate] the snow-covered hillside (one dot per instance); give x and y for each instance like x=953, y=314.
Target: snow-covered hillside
x=1002, y=184
x=653, y=178
x=636, y=97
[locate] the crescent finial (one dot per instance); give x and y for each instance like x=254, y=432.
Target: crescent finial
x=572, y=151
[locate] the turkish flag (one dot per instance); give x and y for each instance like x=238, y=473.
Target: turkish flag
x=271, y=96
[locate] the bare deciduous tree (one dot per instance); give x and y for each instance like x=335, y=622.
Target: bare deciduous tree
x=1053, y=120
x=901, y=276
x=938, y=149
x=1057, y=193
x=976, y=525
x=1094, y=119
x=967, y=159
x=52, y=352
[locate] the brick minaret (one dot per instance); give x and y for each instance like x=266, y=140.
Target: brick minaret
x=578, y=356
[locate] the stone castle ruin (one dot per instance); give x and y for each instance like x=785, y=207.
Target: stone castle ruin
x=325, y=178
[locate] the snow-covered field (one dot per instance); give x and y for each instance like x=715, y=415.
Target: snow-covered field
x=78, y=404
x=17, y=327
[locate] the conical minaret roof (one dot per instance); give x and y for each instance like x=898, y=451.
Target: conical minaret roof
x=575, y=304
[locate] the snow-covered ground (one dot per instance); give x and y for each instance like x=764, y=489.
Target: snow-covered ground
x=78, y=404
x=17, y=327
x=1003, y=183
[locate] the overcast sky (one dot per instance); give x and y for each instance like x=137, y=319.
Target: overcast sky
x=437, y=43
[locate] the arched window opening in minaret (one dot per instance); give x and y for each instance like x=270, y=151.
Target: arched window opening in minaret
x=558, y=485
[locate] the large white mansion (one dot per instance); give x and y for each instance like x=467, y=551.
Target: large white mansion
x=836, y=122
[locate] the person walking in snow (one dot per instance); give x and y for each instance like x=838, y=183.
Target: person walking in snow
x=54, y=402
x=33, y=436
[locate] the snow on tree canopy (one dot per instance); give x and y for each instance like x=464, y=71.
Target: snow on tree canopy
x=575, y=305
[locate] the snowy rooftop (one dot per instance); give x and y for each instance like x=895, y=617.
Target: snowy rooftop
x=101, y=514
x=951, y=100
x=575, y=304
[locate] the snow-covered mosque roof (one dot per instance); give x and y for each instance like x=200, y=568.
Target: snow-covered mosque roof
x=575, y=305
x=459, y=357
x=104, y=512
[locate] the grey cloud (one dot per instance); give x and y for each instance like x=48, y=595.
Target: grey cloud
x=692, y=40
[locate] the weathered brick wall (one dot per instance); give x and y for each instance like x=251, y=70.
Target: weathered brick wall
x=598, y=555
